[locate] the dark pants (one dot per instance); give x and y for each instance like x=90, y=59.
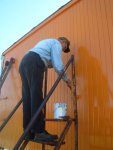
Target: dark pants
x=32, y=72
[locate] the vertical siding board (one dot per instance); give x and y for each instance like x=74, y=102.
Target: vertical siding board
x=100, y=89
x=102, y=46
x=89, y=90
x=109, y=18
x=85, y=20
x=107, y=45
x=91, y=51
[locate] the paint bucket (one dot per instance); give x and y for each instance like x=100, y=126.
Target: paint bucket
x=59, y=110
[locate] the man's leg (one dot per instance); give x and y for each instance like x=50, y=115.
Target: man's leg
x=37, y=95
x=25, y=97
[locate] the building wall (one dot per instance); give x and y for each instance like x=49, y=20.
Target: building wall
x=88, y=24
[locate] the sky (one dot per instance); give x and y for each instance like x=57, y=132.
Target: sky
x=18, y=17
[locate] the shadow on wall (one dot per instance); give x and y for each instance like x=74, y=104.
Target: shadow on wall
x=95, y=99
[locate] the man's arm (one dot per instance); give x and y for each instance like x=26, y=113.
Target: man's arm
x=56, y=55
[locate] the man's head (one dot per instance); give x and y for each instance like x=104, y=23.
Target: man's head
x=65, y=44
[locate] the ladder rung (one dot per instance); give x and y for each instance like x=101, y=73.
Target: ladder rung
x=60, y=120
x=51, y=143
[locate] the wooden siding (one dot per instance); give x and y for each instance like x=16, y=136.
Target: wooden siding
x=89, y=26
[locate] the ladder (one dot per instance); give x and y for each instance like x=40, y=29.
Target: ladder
x=5, y=71
x=21, y=143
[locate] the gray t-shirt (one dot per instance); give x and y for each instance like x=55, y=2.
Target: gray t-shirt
x=50, y=51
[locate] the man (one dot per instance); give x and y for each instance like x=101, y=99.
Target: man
x=47, y=53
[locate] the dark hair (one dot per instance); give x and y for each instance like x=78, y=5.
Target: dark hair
x=64, y=39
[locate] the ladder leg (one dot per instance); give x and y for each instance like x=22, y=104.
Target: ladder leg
x=24, y=144
x=45, y=94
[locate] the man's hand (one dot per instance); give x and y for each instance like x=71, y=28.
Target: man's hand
x=68, y=82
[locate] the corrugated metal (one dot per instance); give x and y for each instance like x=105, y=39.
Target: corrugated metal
x=88, y=24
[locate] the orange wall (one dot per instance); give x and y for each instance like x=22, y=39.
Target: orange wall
x=88, y=24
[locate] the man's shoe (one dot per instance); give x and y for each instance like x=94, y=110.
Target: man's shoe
x=46, y=140
x=29, y=136
x=45, y=136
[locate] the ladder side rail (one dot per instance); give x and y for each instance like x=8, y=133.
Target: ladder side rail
x=2, y=76
x=74, y=97
x=6, y=72
x=10, y=115
x=3, y=72
x=45, y=90
x=8, y=67
x=23, y=145
x=4, y=69
x=45, y=93
x=42, y=105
